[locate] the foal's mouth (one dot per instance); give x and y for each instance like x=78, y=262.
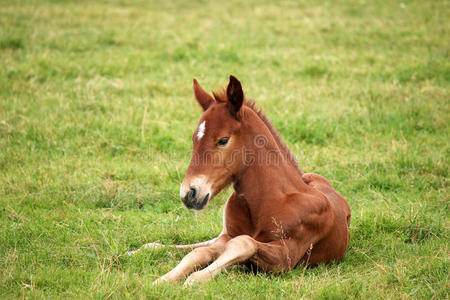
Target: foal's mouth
x=198, y=205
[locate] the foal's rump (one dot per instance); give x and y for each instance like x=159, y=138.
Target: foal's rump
x=321, y=184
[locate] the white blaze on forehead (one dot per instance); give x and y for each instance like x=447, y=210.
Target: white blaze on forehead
x=201, y=130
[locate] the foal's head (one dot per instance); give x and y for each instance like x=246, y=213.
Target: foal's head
x=218, y=143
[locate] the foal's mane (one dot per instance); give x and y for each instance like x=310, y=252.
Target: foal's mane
x=222, y=97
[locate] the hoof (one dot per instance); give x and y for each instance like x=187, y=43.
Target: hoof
x=160, y=280
x=197, y=277
x=151, y=246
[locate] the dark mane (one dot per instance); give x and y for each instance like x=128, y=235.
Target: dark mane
x=221, y=96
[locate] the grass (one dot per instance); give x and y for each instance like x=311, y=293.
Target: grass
x=96, y=114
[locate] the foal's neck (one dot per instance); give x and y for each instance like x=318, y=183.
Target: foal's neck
x=271, y=174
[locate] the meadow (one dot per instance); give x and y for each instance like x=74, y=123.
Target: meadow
x=97, y=113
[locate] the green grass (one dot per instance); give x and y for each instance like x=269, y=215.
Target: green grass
x=97, y=111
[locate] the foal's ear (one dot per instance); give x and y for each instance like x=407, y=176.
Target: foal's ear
x=235, y=96
x=203, y=98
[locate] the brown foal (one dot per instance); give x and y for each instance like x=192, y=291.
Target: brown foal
x=277, y=216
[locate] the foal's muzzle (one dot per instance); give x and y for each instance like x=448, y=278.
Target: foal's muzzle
x=192, y=201
x=195, y=195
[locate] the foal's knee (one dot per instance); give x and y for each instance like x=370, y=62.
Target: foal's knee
x=243, y=242
x=206, y=253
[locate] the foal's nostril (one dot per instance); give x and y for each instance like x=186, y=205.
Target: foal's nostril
x=192, y=193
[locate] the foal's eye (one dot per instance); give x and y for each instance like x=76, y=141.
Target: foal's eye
x=222, y=141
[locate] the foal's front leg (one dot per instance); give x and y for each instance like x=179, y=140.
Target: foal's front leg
x=197, y=258
x=237, y=250
x=154, y=246
x=273, y=256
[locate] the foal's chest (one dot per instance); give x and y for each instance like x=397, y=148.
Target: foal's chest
x=238, y=219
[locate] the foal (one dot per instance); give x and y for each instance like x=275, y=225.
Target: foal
x=277, y=216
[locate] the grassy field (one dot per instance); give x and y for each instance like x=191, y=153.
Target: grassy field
x=96, y=117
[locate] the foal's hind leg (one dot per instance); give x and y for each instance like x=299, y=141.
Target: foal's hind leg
x=273, y=256
x=154, y=246
x=197, y=258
